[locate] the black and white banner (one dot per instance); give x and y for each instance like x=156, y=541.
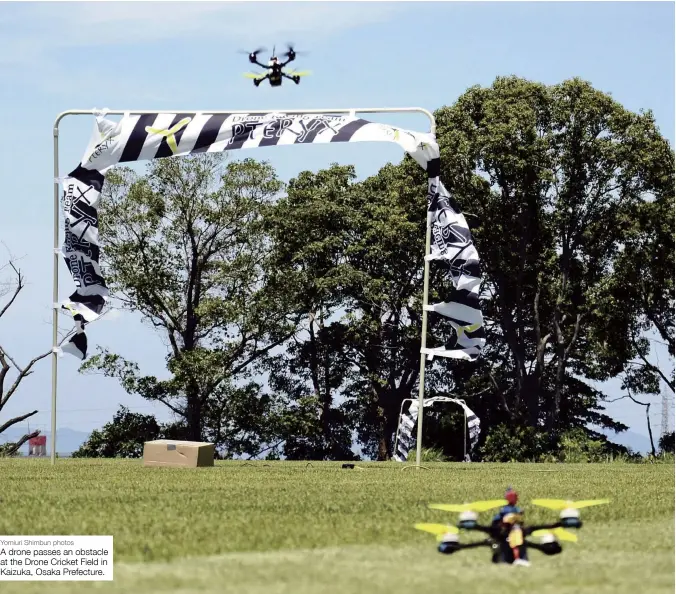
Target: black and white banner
x=159, y=135
x=405, y=441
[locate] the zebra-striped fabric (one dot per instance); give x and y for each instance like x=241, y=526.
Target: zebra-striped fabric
x=405, y=440
x=161, y=135
x=474, y=429
x=407, y=422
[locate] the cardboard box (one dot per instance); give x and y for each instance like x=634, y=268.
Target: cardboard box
x=180, y=454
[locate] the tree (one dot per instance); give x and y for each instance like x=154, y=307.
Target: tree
x=351, y=258
x=667, y=443
x=123, y=437
x=310, y=230
x=557, y=179
x=185, y=248
x=640, y=294
x=11, y=286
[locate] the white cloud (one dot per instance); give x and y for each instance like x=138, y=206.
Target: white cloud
x=31, y=32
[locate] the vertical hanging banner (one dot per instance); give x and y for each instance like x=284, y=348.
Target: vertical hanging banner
x=160, y=135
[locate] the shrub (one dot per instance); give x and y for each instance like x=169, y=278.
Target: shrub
x=515, y=444
x=428, y=455
x=575, y=446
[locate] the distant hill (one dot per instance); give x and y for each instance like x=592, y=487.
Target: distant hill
x=67, y=440
x=635, y=441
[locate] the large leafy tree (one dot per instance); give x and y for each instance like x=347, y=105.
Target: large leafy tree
x=563, y=183
x=351, y=254
x=310, y=270
x=184, y=247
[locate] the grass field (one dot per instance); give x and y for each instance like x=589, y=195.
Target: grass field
x=295, y=528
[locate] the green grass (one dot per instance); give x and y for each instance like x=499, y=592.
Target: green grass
x=294, y=528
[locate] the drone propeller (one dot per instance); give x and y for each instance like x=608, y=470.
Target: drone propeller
x=561, y=504
x=476, y=506
x=559, y=533
x=301, y=73
x=439, y=530
x=255, y=52
x=254, y=75
x=292, y=52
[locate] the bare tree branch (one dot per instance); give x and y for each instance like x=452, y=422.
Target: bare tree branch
x=10, y=451
x=16, y=420
x=500, y=394
x=578, y=319
x=6, y=358
x=17, y=290
x=647, y=415
x=22, y=374
x=649, y=365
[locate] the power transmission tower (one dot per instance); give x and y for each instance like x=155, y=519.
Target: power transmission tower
x=666, y=406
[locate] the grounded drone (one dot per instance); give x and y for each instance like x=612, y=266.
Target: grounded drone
x=507, y=534
x=275, y=69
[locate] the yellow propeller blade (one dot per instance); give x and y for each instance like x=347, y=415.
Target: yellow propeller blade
x=252, y=75
x=558, y=504
x=477, y=506
x=560, y=533
x=437, y=529
x=301, y=73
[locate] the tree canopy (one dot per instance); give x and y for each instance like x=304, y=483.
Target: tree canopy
x=564, y=185
x=184, y=248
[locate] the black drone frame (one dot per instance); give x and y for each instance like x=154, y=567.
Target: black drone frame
x=498, y=543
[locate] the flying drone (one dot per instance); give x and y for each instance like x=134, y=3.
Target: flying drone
x=275, y=69
x=507, y=533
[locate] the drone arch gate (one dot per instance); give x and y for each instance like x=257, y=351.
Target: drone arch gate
x=145, y=135
x=471, y=424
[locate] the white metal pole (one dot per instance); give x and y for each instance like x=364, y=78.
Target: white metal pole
x=423, y=341
x=464, y=436
x=55, y=294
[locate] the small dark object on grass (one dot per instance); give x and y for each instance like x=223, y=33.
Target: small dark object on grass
x=348, y=466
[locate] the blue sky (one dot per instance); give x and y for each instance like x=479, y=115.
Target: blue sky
x=182, y=56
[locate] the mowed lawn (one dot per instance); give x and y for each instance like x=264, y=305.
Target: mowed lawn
x=298, y=528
